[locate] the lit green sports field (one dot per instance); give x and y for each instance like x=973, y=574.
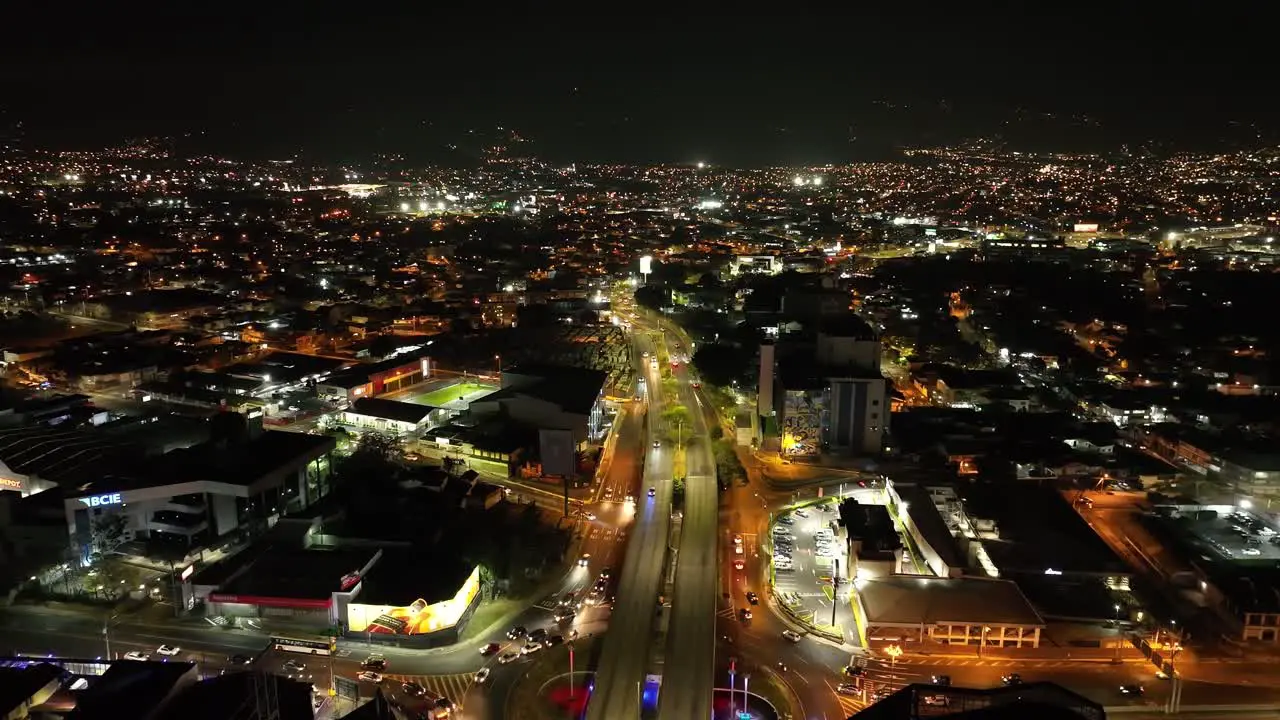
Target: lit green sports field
x=453, y=393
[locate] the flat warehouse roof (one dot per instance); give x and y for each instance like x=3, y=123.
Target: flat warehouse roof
x=915, y=599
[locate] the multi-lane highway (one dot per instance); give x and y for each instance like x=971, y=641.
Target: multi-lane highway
x=624, y=659
x=690, y=655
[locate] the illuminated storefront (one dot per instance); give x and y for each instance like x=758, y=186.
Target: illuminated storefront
x=417, y=618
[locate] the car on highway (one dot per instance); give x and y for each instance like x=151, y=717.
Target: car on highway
x=135, y=655
x=240, y=660
x=489, y=649
x=847, y=689
x=606, y=573
x=854, y=671
x=530, y=648
x=1133, y=689
x=653, y=492
x=791, y=635
x=656, y=444
x=517, y=632
x=168, y=650
x=374, y=662
x=744, y=614
x=507, y=657
x=944, y=680
x=538, y=635
x=482, y=674
x=370, y=676
x=737, y=539
x=294, y=666
x=630, y=499
x=753, y=598
x=1011, y=679
x=555, y=640
x=413, y=688
x=584, y=560
x=738, y=564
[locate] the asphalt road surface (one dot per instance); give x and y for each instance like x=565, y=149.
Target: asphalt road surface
x=624, y=659
x=689, y=669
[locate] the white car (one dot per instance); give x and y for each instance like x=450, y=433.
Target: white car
x=372, y=677
x=582, y=561
x=1251, y=551
x=482, y=674
x=791, y=635
x=505, y=658
x=168, y=650
x=135, y=655
x=530, y=648
x=737, y=540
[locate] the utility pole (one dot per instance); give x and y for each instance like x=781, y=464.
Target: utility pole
x=835, y=589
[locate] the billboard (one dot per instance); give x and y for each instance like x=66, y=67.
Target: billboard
x=418, y=617
x=558, y=454
x=646, y=264
x=1085, y=227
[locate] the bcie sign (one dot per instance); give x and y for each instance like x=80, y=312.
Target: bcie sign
x=100, y=500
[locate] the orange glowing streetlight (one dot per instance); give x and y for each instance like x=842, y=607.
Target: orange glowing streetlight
x=893, y=651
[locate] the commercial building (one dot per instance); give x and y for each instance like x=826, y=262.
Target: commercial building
x=386, y=416
x=829, y=394
x=950, y=611
x=1041, y=700
x=408, y=367
x=550, y=398
x=191, y=496
x=383, y=594
x=195, y=495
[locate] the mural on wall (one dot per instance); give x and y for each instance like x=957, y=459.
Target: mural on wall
x=802, y=422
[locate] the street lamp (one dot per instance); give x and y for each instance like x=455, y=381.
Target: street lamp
x=497, y=361
x=106, y=633
x=746, y=677
x=733, y=703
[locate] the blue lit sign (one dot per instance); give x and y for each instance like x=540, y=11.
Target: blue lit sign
x=100, y=500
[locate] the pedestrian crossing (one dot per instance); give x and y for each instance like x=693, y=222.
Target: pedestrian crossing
x=453, y=686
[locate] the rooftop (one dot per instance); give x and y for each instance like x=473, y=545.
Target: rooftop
x=440, y=574
x=912, y=600
x=391, y=410
x=1038, y=531
x=574, y=389
x=292, y=573
x=131, y=689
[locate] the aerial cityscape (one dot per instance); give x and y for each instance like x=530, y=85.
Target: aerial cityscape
x=554, y=388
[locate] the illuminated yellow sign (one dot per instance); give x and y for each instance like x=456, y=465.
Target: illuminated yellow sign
x=416, y=618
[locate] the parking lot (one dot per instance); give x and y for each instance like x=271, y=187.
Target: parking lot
x=805, y=551
x=1236, y=536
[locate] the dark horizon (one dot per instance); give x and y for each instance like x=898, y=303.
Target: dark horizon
x=810, y=90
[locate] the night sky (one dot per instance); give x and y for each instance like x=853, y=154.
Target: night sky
x=615, y=83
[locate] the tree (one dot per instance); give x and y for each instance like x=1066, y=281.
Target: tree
x=653, y=297
x=106, y=533
x=720, y=364
x=382, y=346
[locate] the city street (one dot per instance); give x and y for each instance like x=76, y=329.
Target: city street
x=624, y=660
x=690, y=656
